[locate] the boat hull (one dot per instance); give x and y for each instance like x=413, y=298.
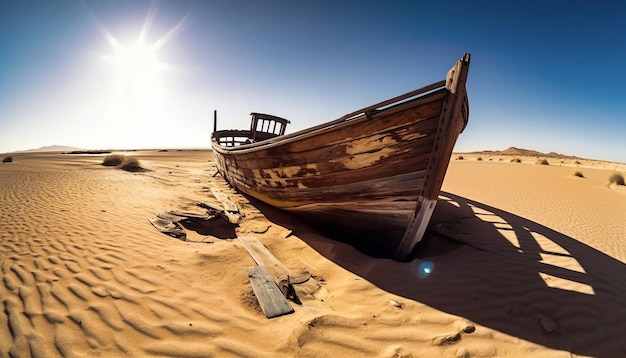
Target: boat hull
x=367, y=177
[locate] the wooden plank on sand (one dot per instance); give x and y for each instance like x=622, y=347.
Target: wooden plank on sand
x=270, y=297
x=283, y=277
x=231, y=210
x=263, y=257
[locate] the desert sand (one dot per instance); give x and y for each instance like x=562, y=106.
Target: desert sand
x=522, y=260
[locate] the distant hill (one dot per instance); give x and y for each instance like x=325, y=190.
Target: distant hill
x=52, y=148
x=521, y=151
x=527, y=153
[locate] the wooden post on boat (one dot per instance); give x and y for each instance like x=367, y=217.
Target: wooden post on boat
x=214, y=120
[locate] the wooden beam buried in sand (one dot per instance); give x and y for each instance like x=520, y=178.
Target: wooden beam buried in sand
x=270, y=297
x=283, y=277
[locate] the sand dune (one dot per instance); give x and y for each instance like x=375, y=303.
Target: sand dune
x=522, y=260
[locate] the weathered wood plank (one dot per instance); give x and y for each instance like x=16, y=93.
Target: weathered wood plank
x=231, y=210
x=396, y=99
x=420, y=117
x=271, y=299
x=395, y=139
x=275, y=178
x=371, y=190
x=168, y=227
x=366, y=128
x=263, y=257
x=283, y=277
x=401, y=187
x=381, y=155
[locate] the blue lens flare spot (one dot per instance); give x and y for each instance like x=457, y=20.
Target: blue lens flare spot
x=425, y=268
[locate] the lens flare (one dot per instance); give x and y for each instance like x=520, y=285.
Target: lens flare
x=425, y=268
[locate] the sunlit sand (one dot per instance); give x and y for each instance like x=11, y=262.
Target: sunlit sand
x=522, y=260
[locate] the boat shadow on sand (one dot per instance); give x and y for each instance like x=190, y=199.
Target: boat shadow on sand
x=501, y=271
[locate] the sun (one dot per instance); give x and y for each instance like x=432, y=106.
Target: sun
x=136, y=62
x=138, y=90
x=137, y=96
x=136, y=67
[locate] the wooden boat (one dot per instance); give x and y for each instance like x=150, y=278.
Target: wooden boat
x=374, y=174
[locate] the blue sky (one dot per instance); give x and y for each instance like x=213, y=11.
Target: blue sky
x=141, y=74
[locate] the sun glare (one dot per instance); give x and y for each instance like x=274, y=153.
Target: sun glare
x=137, y=63
x=137, y=99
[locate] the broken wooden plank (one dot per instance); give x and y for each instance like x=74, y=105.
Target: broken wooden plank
x=189, y=215
x=168, y=227
x=263, y=257
x=231, y=210
x=270, y=297
x=283, y=277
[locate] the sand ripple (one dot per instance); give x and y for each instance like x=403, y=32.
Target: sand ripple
x=83, y=275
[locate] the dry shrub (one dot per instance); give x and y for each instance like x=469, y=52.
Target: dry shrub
x=579, y=174
x=616, y=178
x=113, y=160
x=8, y=159
x=543, y=162
x=479, y=159
x=516, y=160
x=460, y=157
x=131, y=165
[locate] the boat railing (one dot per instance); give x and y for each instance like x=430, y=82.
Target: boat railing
x=265, y=126
x=437, y=90
x=262, y=127
x=393, y=101
x=232, y=138
x=371, y=110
